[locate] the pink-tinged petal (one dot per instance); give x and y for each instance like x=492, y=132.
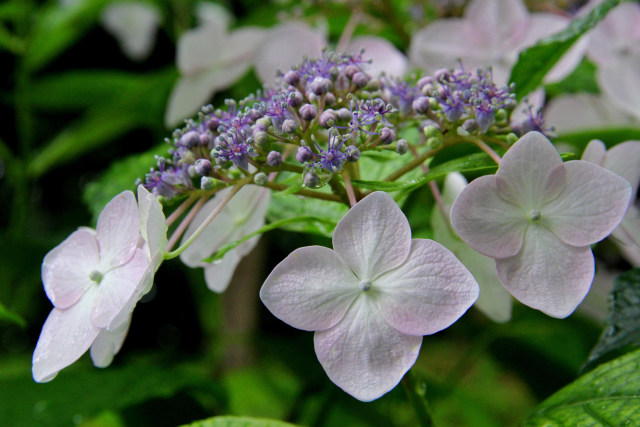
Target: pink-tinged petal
x=153, y=225
x=66, y=335
x=500, y=21
x=547, y=274
x=486, y=222
x=107, y=344
x=427, y=293
x=363, y=354
x=630, y=228
x=214, y=15
x=592, y=203
x=218, y=233
x=442, y=42
x=595, y=152
x=118, y=230
x=134, y=25
x=384, y=55
x=568, y=113
x=116, y=289
x=624, y=160
x=529, y=173
x=616, y=36
x=66, y=268
x=283, y=47
x=311, y=289
x=622, y=83
x=373, y=237
x=198, y=48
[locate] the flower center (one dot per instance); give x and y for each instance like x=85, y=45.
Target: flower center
x=365, y=285
x=96, y=276
x=535, y=215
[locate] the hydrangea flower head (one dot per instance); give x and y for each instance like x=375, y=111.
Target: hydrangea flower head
x=243, y=215
x=372, y=298
x=94, y=279
x=537, y=217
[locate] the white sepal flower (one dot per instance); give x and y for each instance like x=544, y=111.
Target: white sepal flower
x=94, y=279
x=134, y=25
x=537, y=217
x=242, y=215
x=494, y=301
x=624, y=160
x=372, y=298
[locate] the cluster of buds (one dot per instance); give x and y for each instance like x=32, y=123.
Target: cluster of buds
x=322, y=115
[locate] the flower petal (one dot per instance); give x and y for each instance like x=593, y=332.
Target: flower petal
x=486, y=222
x=118, y=230
x=583, y=111
x=373, y=237
x=153, y=225
x=134, y=25
x=548, y=274
x=592, y=203
x=363, y=354
x=311, y=289
x=624, y=160
x=501, y=21
x=427, y=293
x=595, y=152
x=107, y=344
x=66, y=268
x=116, y=289
x=528, y=173
x=384, y=55
x=66, y=335
x=622, y=84
x=218, y=274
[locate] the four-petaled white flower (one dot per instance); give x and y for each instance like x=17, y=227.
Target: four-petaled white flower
x=94, y=279
x=134, y=25
x=537, y=217
x=494, y=301
x=624, y=160
x=372, y=298
x=243, y=215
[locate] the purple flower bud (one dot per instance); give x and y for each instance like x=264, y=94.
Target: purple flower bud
x=327, y=118
x=442, y=75
x=427, y=80
x=295, y=98
x=402, y=146
x=344, y=114
x=353, y=154
x=189, y=139
x=387, y=136
x=351, y=70
x=320, y=85
x=360, y=79
x=292, y=77
x=304, y=154
x=421, y=105
x=274, y=158
x=470, y=125
x=213, y=123
x=308, y=112
x=207, y=183
x=289, y=126
x=203, y=167
x=311, y=180
x=206, y=139
x=329, y=99
x=260, y=178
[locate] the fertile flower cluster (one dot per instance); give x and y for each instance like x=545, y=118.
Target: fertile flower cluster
x=327, y=111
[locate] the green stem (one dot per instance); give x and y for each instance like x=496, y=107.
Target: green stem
x=418, y=400
x=304, y=192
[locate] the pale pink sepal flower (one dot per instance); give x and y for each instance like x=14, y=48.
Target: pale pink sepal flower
x=372, y=298
x=384, y=56
x=494, y=300
x=243, y=214
x=537, y=217
x=491, y=33
x=94, y=279
x=624, y=160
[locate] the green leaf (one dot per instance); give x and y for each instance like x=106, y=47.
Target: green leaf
x=607, y=396
x=622, y=332
x=230, y=421
x=9, y=316
x=119, y=177
x=610, y=136
x=535, y=62
x=56, y=27
x=288, y=206
x=582, y=79
x=220, y=253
